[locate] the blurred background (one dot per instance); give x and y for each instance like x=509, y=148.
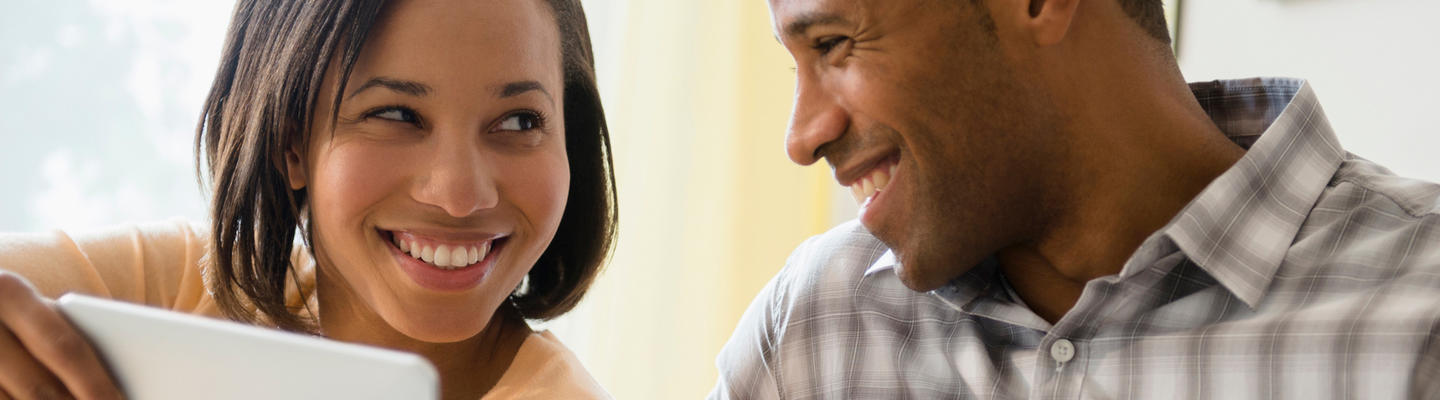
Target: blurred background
x=99, y=100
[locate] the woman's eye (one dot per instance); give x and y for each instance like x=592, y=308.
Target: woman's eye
x=397, y=114
x=521, y=122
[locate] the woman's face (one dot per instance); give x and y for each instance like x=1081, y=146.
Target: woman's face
x=445, y=175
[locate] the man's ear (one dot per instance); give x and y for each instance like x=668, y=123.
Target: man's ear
x=1050, y=20
x=295, y=168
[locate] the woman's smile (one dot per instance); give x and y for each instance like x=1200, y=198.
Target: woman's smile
x=454, y=261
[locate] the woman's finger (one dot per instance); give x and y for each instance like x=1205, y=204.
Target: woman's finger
x=53, y=341
x=22, y=376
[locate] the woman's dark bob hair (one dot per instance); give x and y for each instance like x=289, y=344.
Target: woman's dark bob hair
x=275, y=56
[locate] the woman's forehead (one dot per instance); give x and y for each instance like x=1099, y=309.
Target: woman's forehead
x=463, y=44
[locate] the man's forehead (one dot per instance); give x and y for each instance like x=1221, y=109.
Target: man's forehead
x=792, y=17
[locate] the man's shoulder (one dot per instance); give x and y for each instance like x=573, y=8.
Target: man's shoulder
x=1377, y=186
x=1370, y=212
x=1370, y=229
x=836, y=258
x=835, y=276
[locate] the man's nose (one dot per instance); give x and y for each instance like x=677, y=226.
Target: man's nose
x=816, y=120
x=458, y=180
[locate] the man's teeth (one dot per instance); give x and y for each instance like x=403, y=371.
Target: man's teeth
x=871, y=184
x=445, y=256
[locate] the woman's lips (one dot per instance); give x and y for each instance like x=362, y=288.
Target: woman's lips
x=450, y=266
x=443, y=255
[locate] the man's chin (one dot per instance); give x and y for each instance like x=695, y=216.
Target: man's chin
x=917, y=273
x=917, y=279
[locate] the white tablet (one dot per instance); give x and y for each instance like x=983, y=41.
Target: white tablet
x=158, y=355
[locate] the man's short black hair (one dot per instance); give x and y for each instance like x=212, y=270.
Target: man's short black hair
x=1150, y=14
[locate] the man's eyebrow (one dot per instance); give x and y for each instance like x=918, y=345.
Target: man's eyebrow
x=412, y=88
x=803, y=23
x=517, y=88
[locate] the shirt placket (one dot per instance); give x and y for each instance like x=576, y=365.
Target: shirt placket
x=1064, y=354
x=1060, y=367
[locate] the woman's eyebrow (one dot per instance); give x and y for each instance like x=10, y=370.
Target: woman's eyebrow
x=412, y=88
x=517, y=88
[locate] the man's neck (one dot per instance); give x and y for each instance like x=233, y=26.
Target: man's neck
x=1149, y=150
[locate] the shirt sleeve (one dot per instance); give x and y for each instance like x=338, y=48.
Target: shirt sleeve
x=749, y=363
x=746, y=361
x=156, y=264
x=1423, y=382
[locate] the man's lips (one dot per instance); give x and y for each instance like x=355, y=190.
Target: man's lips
x=873, y=191
x=873, y=182
x=868, y=177
x=851, y=173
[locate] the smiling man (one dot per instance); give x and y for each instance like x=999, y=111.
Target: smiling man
x=1049, y=211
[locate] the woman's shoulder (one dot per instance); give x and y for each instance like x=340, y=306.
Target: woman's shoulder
x=138, y=262
x=158, y=263
x=545, y=369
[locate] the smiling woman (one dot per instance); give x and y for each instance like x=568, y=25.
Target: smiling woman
x=445, y=164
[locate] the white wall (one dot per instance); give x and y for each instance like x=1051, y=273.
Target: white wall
x=1373, y=63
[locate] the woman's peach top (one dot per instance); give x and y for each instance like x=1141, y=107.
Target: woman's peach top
x=158, y=264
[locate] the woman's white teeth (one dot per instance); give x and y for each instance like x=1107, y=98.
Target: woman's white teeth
x=442, y=256
x=445, y=256
x=872, y=183
x=459, y=257
x=428, y=254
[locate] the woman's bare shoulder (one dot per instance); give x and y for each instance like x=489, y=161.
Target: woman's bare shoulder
x=545, y=369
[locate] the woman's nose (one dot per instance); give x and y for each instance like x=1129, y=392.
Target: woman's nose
x=458, y=180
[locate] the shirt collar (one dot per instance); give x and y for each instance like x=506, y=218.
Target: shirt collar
x=961, y=293
x=886, y=261
x=1239, y=228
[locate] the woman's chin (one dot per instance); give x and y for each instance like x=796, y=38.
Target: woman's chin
x=442, y=328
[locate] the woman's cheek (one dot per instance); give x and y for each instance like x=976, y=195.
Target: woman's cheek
x=354, y=177
x=349, y=181
x=542, y=186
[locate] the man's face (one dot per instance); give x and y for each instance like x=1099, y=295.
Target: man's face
x=920, y=109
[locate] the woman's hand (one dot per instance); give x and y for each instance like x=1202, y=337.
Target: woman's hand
x=43, y=356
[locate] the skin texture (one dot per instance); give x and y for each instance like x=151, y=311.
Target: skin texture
x=479, y=151
x=1020, y=130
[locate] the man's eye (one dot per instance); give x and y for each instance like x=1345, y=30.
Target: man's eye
x=825, y=45
x=521, y=122
x=397, y=114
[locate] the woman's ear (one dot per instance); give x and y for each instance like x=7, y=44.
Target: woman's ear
x=1050, y=20
x=295, y=169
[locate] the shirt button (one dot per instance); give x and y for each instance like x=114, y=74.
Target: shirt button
x=1062, y=350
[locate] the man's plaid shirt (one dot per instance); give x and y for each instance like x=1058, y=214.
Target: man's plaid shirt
x=1303, y=272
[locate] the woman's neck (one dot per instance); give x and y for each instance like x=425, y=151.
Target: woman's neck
x=468, y=368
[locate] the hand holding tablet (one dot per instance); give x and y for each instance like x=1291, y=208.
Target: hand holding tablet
x=93, y=348
x=41, y=354
x=155, y=354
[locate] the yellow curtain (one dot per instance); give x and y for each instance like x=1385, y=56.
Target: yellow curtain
x=697, y=94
